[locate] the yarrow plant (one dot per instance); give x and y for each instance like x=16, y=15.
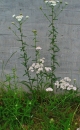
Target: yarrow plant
x=27, y=109
x=19, y=20
x=38, y=68
x=44, y=76
x=56, y=7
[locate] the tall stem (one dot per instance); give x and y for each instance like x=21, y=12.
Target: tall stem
x=25, y=55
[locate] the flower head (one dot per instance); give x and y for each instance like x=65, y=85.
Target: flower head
x=51, y=2
x=40, y=69
x=37, y=65
x=49, y=89
x=27, y=17
x=33, y=65
x=47, y=68
x=41, y=60
x=19, y=18
x=38, y=48
x=46, y=1
x=32, y=70
x=67, y=79
x=74, y=88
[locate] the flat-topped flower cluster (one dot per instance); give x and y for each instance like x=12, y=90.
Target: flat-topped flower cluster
x=19, y=18
x=39, y=67
x=65, y=84
x=54, y=2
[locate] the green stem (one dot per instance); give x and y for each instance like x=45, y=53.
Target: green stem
x=25, y=55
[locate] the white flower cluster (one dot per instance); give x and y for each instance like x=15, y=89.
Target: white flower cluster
x=20, y=17
x=38, y=48
x=38, y=67
x=47, y=68
x=65, y=84
x=54, y=2
x=49, y=89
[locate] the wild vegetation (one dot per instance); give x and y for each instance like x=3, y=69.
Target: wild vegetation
x=51, y=103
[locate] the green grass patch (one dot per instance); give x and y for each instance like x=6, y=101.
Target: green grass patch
x=20, y=110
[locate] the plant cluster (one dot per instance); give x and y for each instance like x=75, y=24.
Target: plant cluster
x=65, y=84
x=41, y=108
x=22, y=111
x=44, y=75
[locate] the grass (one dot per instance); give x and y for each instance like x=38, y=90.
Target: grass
x=42, y=111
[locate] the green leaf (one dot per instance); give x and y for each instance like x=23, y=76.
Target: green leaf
x=57, y=63
x=50, y=25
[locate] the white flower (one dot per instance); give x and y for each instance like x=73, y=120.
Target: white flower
x=19, y=18
x=46, y=1
x=47, y=68
x=67, y=79
x=63, y=87
x=51, y=1
x=57, y=84
x=38, y=48
x=13, y=15
x=33, y=65
x=41, y=65
x=27, y=17
x=30, y=68
x=53, y=4
x=37, y=65
x=74, y=88
x=71, y=86
x=42, y=60
x=68, y=88
x=49, y=89
x=62, y=80
x=40, y=69
x=66, y=84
